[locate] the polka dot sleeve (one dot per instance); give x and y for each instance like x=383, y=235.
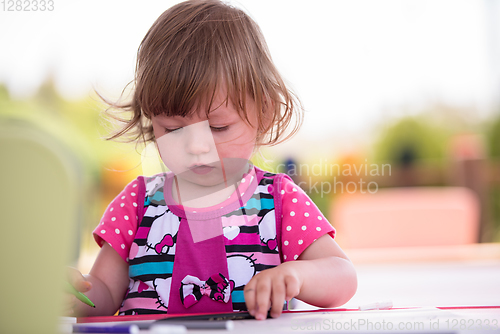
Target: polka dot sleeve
x=119, y=222
x=302, y=221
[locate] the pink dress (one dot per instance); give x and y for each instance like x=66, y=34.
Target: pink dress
x=185, y=260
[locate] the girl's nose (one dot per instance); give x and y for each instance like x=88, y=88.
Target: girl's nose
x=199, y=138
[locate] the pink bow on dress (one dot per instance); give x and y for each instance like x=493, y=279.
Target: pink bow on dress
x=217, y=287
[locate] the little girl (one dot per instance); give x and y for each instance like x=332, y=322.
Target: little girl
x=215, y=234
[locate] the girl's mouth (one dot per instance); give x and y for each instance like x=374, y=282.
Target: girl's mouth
x=201, y=169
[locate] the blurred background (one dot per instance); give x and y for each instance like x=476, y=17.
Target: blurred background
x=400, y=146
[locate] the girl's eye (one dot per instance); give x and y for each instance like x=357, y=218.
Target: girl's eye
x=171, y=130
x=218, y=129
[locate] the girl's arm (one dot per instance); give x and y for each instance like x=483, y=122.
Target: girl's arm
x=109, y=279
x=322, y=276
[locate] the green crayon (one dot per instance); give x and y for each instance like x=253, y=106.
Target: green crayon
x=81, y=297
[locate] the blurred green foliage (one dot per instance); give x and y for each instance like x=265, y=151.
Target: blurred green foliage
x=411, y=140
x=79, y=126
x=493, y=137
x=72, y=123
x=422, y=140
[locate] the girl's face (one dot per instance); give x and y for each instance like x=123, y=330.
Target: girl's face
x=207, y=151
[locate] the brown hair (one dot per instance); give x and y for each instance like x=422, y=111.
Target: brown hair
x=195, y=48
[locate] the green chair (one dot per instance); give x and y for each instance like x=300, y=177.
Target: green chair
x=39, y=204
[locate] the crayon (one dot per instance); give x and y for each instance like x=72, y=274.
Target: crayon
x=81, y=297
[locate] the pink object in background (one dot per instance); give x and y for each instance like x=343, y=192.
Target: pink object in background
x=407, y=217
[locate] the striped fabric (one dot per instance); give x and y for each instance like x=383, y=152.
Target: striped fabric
x=249, y=233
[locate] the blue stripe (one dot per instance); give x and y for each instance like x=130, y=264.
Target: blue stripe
x=267, y=203
x=262, y=204
x=158, y=196
x=237, y=296
x=252, y=203
x=151, y=268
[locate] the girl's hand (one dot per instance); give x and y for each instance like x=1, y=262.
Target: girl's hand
x=323, y=261
x=76, y=279
x=270, y=288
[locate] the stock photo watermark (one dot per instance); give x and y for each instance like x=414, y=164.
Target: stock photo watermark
x=383, y=325
x=27, y=5
x=334, y=178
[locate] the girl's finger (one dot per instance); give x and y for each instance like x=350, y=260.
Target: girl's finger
x=83, y=286
x=262, y=298
x=277, y=297
x=77, y=280
x=292, y=287
x=249, y=293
